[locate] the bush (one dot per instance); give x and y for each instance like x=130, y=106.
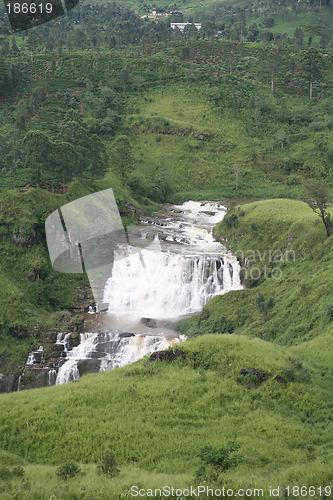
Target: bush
x=231, y=220
x=18, y=471
x=108, y=465
x=296, y=372
x=5, y=473
x=194, y=331
x=315, y=126
x=263, y=306
x=216, y=460
x=67, y=470
x=268, y=22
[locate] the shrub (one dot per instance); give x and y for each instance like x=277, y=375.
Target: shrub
x=216, y=461
x=315, y=126
x=296, y=372
x=67, y=470
x=231, y=220
x=18, y=471
x=268, y=22
x=263, y=306
x=194, y=331
x=108, y=465
x=5, y=473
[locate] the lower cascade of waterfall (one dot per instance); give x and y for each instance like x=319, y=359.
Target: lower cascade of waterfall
x=171, y=268
x=103, y=351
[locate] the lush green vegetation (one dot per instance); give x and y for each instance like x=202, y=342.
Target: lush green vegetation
x=33, y=296
x=156, y=416
x=251, y=131
x=242, y=109
x=236, y=139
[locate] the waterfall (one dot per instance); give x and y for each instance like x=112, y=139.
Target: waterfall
x=106, y=350
x=35, y=357
x=64, y=340
x=168, y=285
x=51, y=377
x=171, y=268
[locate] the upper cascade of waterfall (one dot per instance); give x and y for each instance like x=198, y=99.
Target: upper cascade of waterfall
x=179, y=271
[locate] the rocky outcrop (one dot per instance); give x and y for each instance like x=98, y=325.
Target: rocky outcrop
x=167, y=355
x=260, y=375
x=280, y=380
x=25, y=240
x=85, y=298
x=253, y=372
x=150, y=323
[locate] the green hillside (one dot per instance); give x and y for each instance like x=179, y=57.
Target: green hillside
x=202, y=121
x=240, y=112
x=281, y=18
x=35, y=300
x=156, y=416
x=234, y=138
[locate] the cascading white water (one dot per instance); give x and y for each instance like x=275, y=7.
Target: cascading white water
x=64, y=340
x=51, y=376
x=168, y=285
x=165, y=281
x=103, y=351
x=172, y=270
x=35, y=357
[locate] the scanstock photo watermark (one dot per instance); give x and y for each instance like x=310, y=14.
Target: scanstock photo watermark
x=202, y=491
x=194, y=492
x=266, y=264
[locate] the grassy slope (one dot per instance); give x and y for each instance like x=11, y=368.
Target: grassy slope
x=206, y=168
x=156, y=416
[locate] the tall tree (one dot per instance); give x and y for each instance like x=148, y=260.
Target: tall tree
x=274, y=57
x=37, y=149
x=121, y=158
x=298, y=37
x=14, y=48
x=318, y=199
x=3, y=75
x=312, y=63
x=89, y=148
x=67, y=162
